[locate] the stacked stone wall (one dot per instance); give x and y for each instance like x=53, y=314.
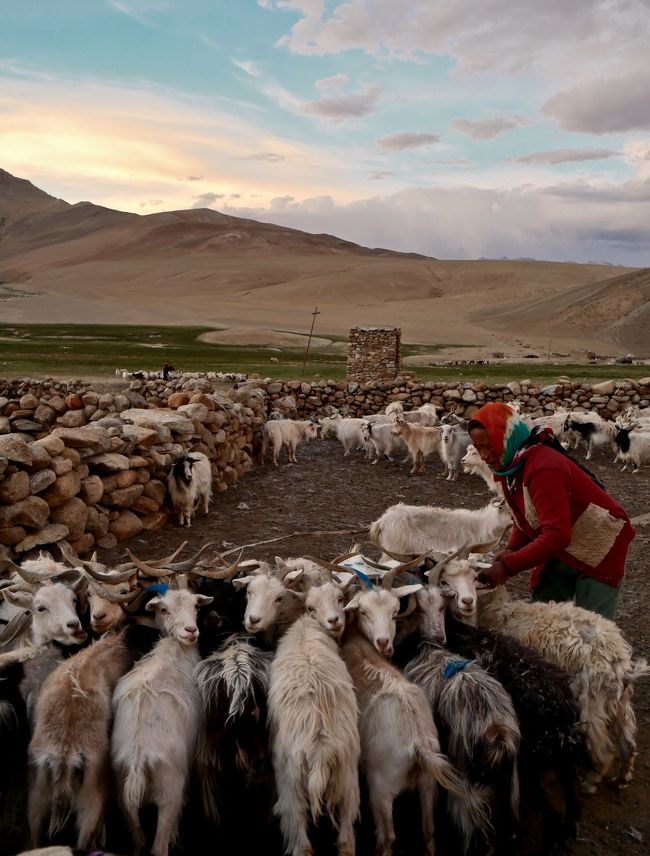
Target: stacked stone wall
x=374, y=354
x=90, y=467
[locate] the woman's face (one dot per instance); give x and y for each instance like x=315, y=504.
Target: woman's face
x=481, y=441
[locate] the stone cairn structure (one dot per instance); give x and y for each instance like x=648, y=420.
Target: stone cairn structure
x=374, y=354
x=91, y=467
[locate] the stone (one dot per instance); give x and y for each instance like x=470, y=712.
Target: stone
x=61, y=465
x=140, y=436
x=57, y=403
x=14, y=488
x=73, y=513
x=83, y=545
x=178, y=399
x=73, y=401
x=40, y=457
x=105, y=401
x=31, y=511
x=176, y=422
x=49, y=534
x=469, y=396
x=143, y=506
x=11, y=535
x=194, y=411
x=125, y=526
x=156, y=490
x=40, y=480
x=72, y=419
x=71, y=455
x=26, y=426
x=644, y=381
x=65, y=487
x=5, y=425
x=121, y=402
x=91, y=490
x=123, y=497
x=52, y=444
x=15, y=449
x=28, y=402
x=109, y=462
x=107, y=542
x=91, y=437
x=138, y=461
x=154, y=521
x=45, y=414
x=607, y=387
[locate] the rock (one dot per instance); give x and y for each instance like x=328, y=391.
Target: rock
x=73, y=401
x=45, y=414
x=73, y=513
x=5, y=425
x=14, y=488
x=57, y=403
x=644, y=381
x=83, y=545
x=176, y=422
x=32, y=511
x=92, y=490
x=144, y=437
x=40, y=480
x=49, y=534
x=105, y=401
x=156, y=490
x=61, y=465
x=123, y=497
x=65, y=487
x=178, y=399
x=607, y=387
x=11, y=535
x=26, y=426
x=126, y=525
x=52, y=444
x=143, y=506
x=28, y=402
x=94, y=437
x=110, y=462
x=15, y=449
x=71, y=455
x=154, y=521
x=107, y=542
x=72, y=419
x=96, y=523
x=40, y=457
x=194, y=411
x=469, y=395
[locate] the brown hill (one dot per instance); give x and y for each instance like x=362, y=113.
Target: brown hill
x=82, y=262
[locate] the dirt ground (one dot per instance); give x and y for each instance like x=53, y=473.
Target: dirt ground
x=326, y=491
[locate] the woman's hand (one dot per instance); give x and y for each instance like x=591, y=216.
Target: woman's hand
x=495, y=575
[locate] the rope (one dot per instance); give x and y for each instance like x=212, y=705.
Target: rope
x=317, y=533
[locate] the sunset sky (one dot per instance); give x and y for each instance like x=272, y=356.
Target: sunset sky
x=455, y=128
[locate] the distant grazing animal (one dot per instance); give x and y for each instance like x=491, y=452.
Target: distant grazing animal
x=190, y=482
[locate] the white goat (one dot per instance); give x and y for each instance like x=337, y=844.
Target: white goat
x=591, y=429
x=69, y=749
x=157, y=709
x=351, y=433
x=474, y=465
x=409, y=530
x=287, y=434
x=557, y=421
x=189, y=482
x=593, y=651
x=454, y=444
x=272, y=598
x=384, y=441
x=421, y=441
x=313, y=723
x=633, y=446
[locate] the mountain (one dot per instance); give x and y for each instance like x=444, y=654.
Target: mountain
x=90, y=264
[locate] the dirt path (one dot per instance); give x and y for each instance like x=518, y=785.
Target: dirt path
x=326, y=491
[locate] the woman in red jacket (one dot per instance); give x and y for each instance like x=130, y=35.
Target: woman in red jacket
x=568, y=530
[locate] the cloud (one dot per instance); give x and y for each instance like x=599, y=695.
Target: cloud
x=566, y=156
x=338, y=108
x=486, y=129
x=249, y=67
x=269, y=157
x=378, y=176
x=406, y=140
x=335, y=82
x=137, y=10
x=205, y=200
x=604, y=105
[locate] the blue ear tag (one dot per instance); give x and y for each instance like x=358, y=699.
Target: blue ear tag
x=363, y=577
x=453, y=667
x=410, y=578
x=161, y=588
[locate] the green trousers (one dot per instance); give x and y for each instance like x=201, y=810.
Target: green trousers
x=559, y=582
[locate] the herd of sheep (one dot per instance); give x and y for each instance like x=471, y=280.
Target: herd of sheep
x=274, y=686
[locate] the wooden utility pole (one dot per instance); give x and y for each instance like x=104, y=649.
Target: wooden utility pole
x=313, y=321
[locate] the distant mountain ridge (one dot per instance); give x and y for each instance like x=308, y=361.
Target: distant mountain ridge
x=91, y=264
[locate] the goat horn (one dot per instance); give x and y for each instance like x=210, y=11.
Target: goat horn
x=389, y=577
x=167, y=559
x=188, y=564
x=16, y=627
x=325, y=569
x=214, y=574
x=483, y=548
x=96, y=569
x=36, y=577
x=105, y=593
x=135, y=604
x=149, y=570
x=438, y=568
x=396, y=557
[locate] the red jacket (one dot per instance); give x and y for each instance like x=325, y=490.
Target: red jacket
x=560, y=513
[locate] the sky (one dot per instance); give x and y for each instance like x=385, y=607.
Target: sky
x=454, y=128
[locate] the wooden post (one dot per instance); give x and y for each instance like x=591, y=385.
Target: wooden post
x=313, y=321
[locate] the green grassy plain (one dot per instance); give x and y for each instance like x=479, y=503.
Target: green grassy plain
x=85, y=350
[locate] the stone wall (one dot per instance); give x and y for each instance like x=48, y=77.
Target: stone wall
x=361, y=399
x=374, y=354
x=90, y=467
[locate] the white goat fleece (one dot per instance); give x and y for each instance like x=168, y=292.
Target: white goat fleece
x=189, y=482
x=453, y=446
x=421, y=441
x=409, y=530
x=385, y=443
x=314, y=736
x=348, y=431
x=474, y=465
x=287, y=434
x=593, y=651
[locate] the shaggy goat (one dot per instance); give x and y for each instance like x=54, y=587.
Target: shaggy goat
x=287, y=434
x=476, y=466
x=421, y=441
x=633, y=447
x=189, y=482
x=454, y=443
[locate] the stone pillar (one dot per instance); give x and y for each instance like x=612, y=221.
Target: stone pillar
x=374, y=353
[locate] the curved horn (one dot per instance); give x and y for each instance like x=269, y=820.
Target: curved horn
x=187, y=564
x=148, y=570
x=36, y=577
x=16, y=627
x=435, y=572
x=389, y=577
x=112, y=596
x=396, y=557
x=96, y=570
x=214, y=574
x=324, y=570
x=483, y=548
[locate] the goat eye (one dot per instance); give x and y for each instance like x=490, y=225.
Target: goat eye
x=278, y=599
x=163, y=610
x=41, y=609
x=311, y=609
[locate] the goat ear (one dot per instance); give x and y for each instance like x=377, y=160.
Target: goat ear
x=293, y=577
x=203, y=599
x=301, y=595
x=154, y=604
x=354, y=603
x=241, y=582
x=280, y=563
x=402, y=591
x=21, y=599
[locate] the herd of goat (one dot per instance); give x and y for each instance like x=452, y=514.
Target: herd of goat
x=245, y=699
